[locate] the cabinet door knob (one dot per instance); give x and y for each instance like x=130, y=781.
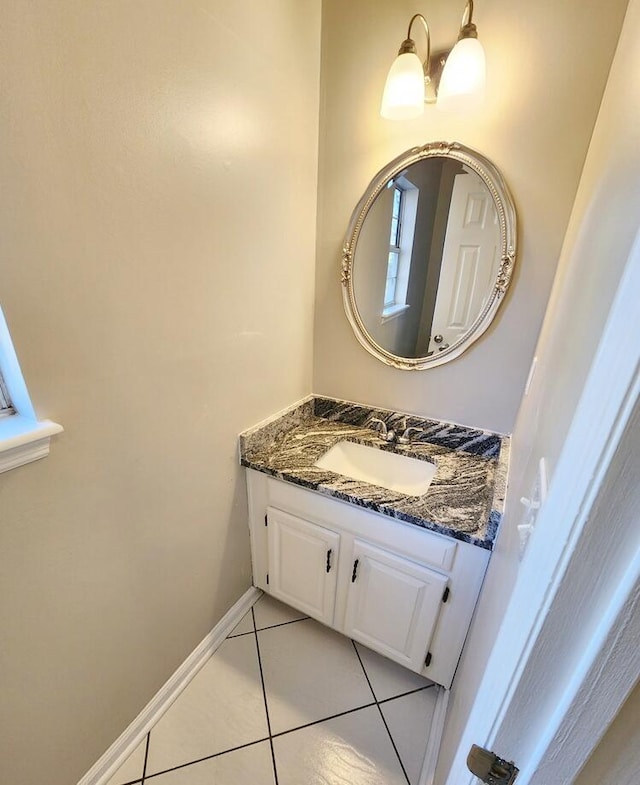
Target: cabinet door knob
x=329, y=552
x=354, y=574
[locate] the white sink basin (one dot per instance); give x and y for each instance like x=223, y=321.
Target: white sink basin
x=398, y=473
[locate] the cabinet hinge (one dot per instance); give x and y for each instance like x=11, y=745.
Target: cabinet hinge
x=267, y=579
x=266, y=520
x=446, y=594
x=427, y=660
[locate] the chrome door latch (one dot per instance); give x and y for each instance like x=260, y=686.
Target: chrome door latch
x=489, y=768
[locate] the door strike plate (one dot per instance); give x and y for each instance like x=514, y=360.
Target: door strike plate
x=489, y=768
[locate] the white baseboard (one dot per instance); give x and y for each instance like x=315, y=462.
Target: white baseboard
x=428, y=771
x=124, y=745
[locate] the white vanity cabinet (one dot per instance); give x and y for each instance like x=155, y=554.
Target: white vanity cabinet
x=301, y=558
x=392, y=604
x=401, y=590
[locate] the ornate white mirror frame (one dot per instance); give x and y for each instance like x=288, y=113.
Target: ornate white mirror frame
x=506, y=217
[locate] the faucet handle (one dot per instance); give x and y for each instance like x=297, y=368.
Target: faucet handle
x=405, y=438
x=382, y=430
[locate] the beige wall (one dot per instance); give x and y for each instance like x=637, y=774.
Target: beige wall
x=547, y=65
x=616, y=760
x=158, y=168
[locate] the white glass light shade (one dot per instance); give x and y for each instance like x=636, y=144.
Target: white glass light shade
x=464, y=75
x=403, y=95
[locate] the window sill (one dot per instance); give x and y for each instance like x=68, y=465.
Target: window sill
x=23, y=440
x=393, y=312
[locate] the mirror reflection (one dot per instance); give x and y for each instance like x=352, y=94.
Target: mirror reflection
x=427, y=258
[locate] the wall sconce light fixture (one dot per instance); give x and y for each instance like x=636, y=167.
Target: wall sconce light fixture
x=451, y=78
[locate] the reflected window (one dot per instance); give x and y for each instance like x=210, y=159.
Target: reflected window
x=5, y=402
x=394, y=250
x=403, y=209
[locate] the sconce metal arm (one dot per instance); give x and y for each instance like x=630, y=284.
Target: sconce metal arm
x=467, y=29
x=409, y=45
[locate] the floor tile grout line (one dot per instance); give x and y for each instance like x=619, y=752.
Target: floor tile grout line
x=281, y=624
x=147, y=777
x=240, y=634
x=324, y=719
x=410, y=692
x=249, y=744
x=207, y=757
x=404, y=771
x=393, y=697
x=257, y=741
x=364, y=670
x=222, y=752
x=393, y=744
x=264, y=695
x=146, y=756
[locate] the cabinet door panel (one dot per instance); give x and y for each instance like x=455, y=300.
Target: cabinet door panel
x=393, y=604
x=303, y=560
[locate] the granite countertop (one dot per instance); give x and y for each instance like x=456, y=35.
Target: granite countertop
x=465, y=499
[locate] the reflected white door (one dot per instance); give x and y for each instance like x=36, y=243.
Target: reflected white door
x=469, y=261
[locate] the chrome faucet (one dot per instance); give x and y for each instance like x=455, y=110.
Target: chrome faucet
x=388, y=434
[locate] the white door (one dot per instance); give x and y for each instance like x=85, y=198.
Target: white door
x=303, y=560
x=469, y=260
x=393, y=604
x=566, y=654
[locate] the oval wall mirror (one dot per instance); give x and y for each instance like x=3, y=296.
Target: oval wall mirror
x=428, y=255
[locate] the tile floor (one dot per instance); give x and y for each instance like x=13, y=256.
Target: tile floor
x=286, y=701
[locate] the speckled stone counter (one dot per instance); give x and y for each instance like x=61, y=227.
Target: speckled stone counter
x=465, y=499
